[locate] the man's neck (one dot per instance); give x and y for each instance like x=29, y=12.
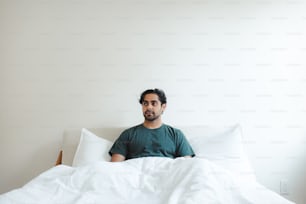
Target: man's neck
x=152, y=124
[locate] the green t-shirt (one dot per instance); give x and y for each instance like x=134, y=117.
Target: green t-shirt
x=140, y=141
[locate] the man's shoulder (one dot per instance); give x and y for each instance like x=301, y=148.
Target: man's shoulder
x=170, y=126
x=172, y=129
x=133, y=128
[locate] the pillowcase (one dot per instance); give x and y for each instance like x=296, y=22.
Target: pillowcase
x=91, y=148
x=222, y=146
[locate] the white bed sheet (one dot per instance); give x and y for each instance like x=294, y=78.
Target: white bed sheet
x=150, y=180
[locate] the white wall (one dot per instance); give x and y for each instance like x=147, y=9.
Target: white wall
x=72, y=64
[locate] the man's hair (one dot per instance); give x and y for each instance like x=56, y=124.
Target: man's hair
x=160, y=93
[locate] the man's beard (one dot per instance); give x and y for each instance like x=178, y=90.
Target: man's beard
x=151, y=116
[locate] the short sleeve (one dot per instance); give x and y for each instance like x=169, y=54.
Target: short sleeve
x=183, y=147
x=120, y=145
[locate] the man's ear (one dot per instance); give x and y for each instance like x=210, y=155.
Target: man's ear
x=164, y=106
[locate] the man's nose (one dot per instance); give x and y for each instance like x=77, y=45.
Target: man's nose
x=149, y=106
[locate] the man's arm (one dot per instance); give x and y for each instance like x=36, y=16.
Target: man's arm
x=184, y=149
x=117, y=158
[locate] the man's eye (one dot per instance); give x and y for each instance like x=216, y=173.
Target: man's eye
x=144, y=103
x=154, y=103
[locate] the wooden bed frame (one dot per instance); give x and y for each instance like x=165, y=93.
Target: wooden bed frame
x=59, y=158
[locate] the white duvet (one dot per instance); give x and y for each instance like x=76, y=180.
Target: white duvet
x=150, y=180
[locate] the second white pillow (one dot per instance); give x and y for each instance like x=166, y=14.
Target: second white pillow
x=91, y=148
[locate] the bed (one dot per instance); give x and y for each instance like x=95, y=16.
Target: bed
x=219, y=174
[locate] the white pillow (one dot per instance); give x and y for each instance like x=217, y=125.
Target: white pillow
x=224, y=147
x=91, y=148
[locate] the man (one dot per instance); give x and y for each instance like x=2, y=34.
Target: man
x=152, y=137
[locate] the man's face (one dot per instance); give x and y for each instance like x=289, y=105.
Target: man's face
x=152, y=107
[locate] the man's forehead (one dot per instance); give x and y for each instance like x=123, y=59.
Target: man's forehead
x=151, y=97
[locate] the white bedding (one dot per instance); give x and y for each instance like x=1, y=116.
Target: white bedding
x=150, y=180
